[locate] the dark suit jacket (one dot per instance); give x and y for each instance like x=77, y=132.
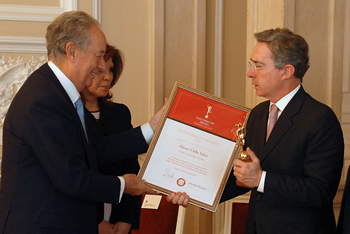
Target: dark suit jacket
x=303, y=159
x=116, y=118
x=344, y=216
x=50, y=182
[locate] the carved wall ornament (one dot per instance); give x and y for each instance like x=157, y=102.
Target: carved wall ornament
x=13, y=73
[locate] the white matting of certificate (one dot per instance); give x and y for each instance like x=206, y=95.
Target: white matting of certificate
x=190, y=160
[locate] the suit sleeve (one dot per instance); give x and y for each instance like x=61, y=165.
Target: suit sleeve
x=129, y=208
x=121, y=146
x=115, y=146
x=232, y=190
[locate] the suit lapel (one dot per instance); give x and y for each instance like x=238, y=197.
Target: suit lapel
x=90, y=157
x=261, y=128
x=284, y=122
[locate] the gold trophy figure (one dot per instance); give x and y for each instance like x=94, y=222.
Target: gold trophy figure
x=240, y=134
x=242, y=155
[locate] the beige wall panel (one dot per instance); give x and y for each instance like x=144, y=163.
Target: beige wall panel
x=85, y=5
x=157, y=55
x=323, y=29
x=339, y=60
x=178, y=43
x=313, y=23
x=127, y=26
x=261, y=15
x=270, y=14
x=23, y=29
x=234, y=51
x=210, y=47
x=51, y=3
x=184, y=43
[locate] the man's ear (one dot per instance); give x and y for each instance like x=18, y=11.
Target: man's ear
x=288, y=71
x=70, y=50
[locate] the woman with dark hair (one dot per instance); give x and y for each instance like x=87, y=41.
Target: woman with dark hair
x=114, y=118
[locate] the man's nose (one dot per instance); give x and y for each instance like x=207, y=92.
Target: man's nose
x=251, y=72
x=102, y=64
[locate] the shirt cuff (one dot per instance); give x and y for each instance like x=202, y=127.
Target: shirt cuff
x=122, y=187
x=147, y=132
x=262, y=182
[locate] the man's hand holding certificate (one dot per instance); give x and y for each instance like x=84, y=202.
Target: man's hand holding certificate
x=179, y=198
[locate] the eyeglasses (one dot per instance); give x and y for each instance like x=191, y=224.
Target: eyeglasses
x=253, y=65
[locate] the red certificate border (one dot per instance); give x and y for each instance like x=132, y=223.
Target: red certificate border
x=206, y=112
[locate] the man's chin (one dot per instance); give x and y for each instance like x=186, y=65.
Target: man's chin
x=258, y=92
x=88, y=83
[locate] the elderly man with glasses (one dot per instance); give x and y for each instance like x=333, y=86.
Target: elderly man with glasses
x=295, y=144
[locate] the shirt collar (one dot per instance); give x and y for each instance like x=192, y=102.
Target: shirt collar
x=67, y=84
x=283, y=102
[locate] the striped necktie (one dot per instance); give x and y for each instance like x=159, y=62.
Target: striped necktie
x=272, y=120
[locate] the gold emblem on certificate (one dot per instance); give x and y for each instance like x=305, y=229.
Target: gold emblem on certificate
x=209, y=111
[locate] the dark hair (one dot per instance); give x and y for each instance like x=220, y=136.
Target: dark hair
x=287, y=48
x=117, y=59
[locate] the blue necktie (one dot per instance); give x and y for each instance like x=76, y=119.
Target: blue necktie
x=80, y=110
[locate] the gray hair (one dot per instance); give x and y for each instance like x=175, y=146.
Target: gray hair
x=287, y=48
x=72, y=26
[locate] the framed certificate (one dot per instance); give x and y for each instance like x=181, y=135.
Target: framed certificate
x=194, y=146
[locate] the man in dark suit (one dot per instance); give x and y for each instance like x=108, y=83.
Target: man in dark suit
x=50, y=182
x=296, y=166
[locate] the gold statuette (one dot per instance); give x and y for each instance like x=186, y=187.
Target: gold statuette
x=240, y=135
x=243, y=156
